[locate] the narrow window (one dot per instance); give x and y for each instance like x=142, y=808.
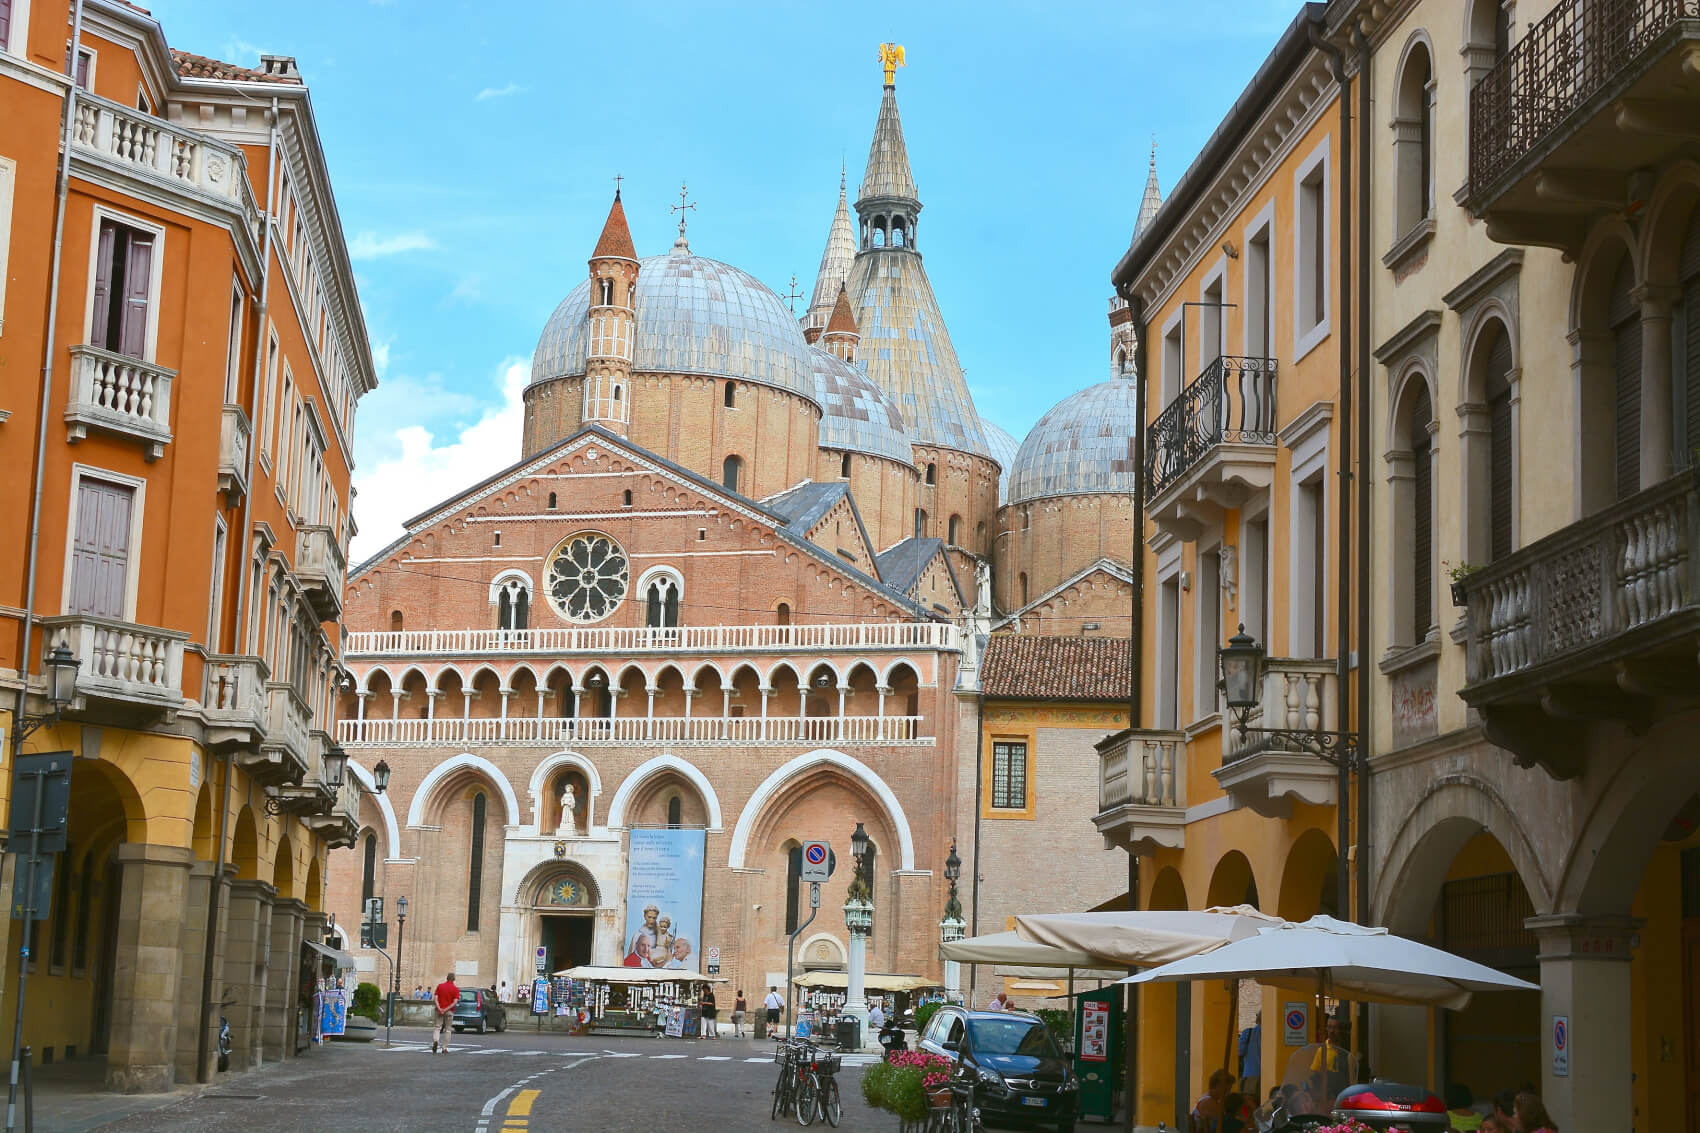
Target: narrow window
x=1208, y=594
x=793, y=887
x=729, y=396
x=675, y=808
x=920, y=522
x=368, y=868
x=1686, y=369
x=844, y=466
x=1009, y=776
x=1625, y=316
x=122, y=289
x=85, y=63
x=628, y=498
x=395, y=621
x=782, y=614
x=1259, y=309
x=233, y=354
x=1422, y=519
x=607, y=286
x=932, y=473
x=100, y=548
x=731, y=470
x=1254, y=578
x=955, y=530
x=1310, y=559
x=1413, y=142
x=1021, y=585
x=1501, y=29
x=551, y=501
x=1500, y=455
x=1312, y=268
x=475, y=873
x=1174, y=359
x=498, y=539
x=85, y=902
x=1168, y=652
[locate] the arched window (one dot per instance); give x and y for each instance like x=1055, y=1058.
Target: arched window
x=731, y=471
x=1410, y=481
x=1686, y=372
x=844, y=466
x=1623, y=313
x=395, y=621
x=675, y=809
x=368, y=868
x=879, y=236
x=729, y=396
x=619, y=392
x=955, y=530
x=932, y=473
x=607, y=289
x=1501, y=457
x=628, y=498
x=782, y=614
x=793, y=887
x=475, y=871
x=1021, y=586
x=513, y=605
x=551, y=501
x=661, y=602
x=979, y=536
x=1413, y=141
x=897, y=235
x=1422, y=517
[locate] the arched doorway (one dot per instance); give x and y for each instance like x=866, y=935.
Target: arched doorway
x=1160, y=1010
x=564, y=900
x=1227, y=1007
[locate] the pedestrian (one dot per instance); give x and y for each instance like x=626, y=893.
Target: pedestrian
x=775, y=1003
x=1211, y=1106
x=1000, y=1002
x=1504, y=1103
x=444, y=1000
x=710, y=1010
x=1460, y=1109
x=1528, y=1115
x=503, y=993
x=1251, y=1058
x=740, y=1009
x=876, y=1018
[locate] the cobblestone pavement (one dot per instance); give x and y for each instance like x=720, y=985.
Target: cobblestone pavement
x=516, y=1082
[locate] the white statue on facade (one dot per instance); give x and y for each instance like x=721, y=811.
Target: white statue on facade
x=569, y=812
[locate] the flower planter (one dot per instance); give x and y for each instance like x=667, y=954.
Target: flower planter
x=1459, y=598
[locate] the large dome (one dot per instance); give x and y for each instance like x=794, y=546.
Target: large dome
x=1083, y=445
x=856, y=415
x=1004, y=447
x=694, y=316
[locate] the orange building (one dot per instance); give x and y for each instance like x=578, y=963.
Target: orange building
x=181, y=350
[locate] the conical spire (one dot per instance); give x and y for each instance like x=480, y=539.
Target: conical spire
x=843, y=319
x=888, y=158
x=1153, y=198
x=834, y=262
x=616, y=238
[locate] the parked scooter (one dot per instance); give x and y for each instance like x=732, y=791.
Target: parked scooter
x=891, y=1037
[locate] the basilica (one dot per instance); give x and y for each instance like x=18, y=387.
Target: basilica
x=738, y=592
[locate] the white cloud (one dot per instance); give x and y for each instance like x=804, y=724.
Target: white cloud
x=419, y=472
x=468, y=289
x=370, y=246
x=239, y=51
x=497, y=92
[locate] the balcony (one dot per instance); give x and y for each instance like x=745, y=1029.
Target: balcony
x=1142, y=790
x=1213, y=446
x=313, y=795
x=235, y=701
x=1596, y=623
x=687, y=731
x=1267, y=775
x=122, y=665
x=1593, y=93
x=120, y=395
x=234, y=437
x=282, y=756
x=341, y=826
x=320, y=566
x=369, y=644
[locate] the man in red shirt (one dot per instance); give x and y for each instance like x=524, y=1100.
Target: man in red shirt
x=444, y=1000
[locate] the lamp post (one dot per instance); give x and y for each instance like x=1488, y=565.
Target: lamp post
x=859, y=919
x=952, y=928
x=380, y=777
x=1242, y=661
x=395, y=969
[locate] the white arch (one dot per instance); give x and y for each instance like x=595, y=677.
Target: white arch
x=651, y=767
x=513, y=574
x=548, y=767
x=392, y=834
x=855, y=768
x=365, y=682
x=885, y=677
x=416, y=809
x=840, y=954
x=660, y=570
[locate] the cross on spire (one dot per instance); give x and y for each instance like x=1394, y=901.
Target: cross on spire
x=682, y=207
x=793, y=295
x=617, y=180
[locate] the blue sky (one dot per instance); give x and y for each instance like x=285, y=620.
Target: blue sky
x=473, y=149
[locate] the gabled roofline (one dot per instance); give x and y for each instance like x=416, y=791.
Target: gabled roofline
x=1108, y=566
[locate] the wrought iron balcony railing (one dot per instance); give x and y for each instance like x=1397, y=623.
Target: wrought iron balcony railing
x=1231, y=402
x=1582, y=52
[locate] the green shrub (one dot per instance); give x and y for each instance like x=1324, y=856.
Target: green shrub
x=905, y=1096
x=875, y=1081
x=922, y=1014
x=367, y=1002
x=1059, y=1023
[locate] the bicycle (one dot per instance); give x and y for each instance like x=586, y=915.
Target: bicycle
x=787, y=1091
x=963, y=1116
x=819, y=1087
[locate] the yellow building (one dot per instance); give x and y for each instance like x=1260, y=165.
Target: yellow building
x=177, y=389
x=1237, y=308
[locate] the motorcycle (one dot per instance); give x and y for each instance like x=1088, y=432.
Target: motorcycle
x=891, y=1037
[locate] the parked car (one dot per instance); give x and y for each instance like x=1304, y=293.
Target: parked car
x=1019, y=1074
x=481, y=1008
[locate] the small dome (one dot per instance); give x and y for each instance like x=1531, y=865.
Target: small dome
x=1083, y=445
x=856, y=415
x=694, y=316
x=1003, y=447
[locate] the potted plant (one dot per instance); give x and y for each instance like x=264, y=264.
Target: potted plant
x=1458, y=573
x=364, y=1014
x=908, y=1084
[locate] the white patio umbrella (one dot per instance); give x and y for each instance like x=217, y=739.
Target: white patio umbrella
x=1330, y=957
x=1009, y=948
x=1143, y=937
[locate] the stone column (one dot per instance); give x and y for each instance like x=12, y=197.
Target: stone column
x=1585, y=982
x=283, y=980
x=247, y=942
x=1656, y=401
x=147, y=961
x=194, y=931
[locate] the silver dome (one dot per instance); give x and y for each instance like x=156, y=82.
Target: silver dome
x=855, y=413
x=1083, y=445
x=694, y=316
x=1003, y=446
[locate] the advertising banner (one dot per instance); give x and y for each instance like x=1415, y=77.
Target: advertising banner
x=333, y=1011
x=664, y=871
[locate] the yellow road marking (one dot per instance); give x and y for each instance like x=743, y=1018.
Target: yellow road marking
x=521, y=1105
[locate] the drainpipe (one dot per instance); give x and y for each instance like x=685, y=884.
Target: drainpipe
x=1363, y=849
x=1136, y=691
x=979, y=794
x=215, y=893
x=1343, y=573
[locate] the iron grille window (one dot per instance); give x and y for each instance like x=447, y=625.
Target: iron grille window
x=1481, y=918
x=1009, y=776
x=475, y=872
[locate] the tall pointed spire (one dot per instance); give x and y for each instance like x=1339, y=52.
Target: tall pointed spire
x=834, y=264
x=888, y=158
x=1153, y=198
x=616, y=238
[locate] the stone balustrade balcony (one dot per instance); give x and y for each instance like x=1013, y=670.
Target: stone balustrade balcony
x=321, y=568
x=313, y=795
x=567, y=640
x=122, y=665
x=1212, y=446
x=159, y=154
x=120, y=395
x=286, y=748
x=234, y=702
x=1268, y=773
x=688, y=731
x=1598, y=622
x=234, y=438
x=1142, y=789
x=341, y=825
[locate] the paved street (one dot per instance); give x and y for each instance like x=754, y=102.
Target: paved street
x=517, y=1082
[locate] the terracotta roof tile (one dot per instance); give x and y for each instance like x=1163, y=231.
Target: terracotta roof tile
x=843, y=320
x=616, y=238
x=195, y=66
x=1031, y=666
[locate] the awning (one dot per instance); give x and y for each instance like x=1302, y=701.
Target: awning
x=340, y=960
x=620, y=975
x=879, y=981
x=1008, y=948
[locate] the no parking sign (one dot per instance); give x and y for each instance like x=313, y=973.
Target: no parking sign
x=1561, y=1046
x=1295, y=1023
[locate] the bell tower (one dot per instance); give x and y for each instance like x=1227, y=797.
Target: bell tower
x=611, y=324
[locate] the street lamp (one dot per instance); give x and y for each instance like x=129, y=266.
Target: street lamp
x=859, y=919
x=381, y=776
x=335, y=766
x=1242, y=661
x=952, y=928
x=395, y=969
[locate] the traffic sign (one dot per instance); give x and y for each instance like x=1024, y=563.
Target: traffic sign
x=50, y=774
x=814, y=894
x=542, y=959
x=1561, y=1046
x=712, y=957
x=817, y=863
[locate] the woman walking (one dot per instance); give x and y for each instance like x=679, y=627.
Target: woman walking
x=710, y=1009
x=740, y=1009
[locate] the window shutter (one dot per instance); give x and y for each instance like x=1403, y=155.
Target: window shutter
x=1625, y=317
x=1422, y=520
x=138, y=281
x=1500, y=455
x=100, y=549
x=98, y=335
x=5, y=23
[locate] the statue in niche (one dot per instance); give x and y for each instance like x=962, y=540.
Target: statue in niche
x=569, y=812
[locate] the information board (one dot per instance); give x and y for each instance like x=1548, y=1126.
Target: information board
x=1094, y=1031
x=540, y=996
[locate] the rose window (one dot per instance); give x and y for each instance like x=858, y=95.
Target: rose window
x=588, y=576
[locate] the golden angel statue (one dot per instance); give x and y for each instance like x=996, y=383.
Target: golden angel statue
x=891, y=58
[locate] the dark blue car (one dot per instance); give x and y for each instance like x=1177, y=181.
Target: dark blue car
x=1019, y=1074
